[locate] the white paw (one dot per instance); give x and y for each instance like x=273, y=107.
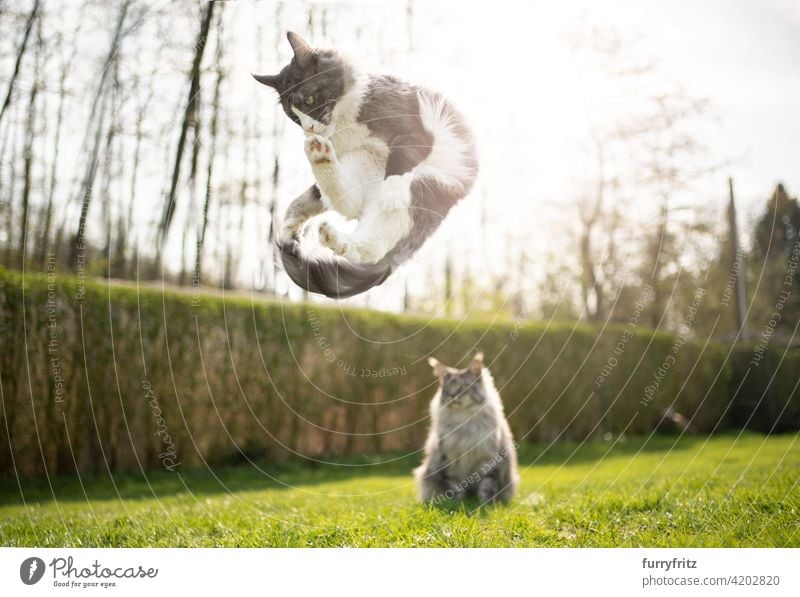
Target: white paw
x=365, y=254
x=332, y=238
x=319, y=150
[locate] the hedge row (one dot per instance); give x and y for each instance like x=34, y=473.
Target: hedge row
x=107, y=378
x=766, y=392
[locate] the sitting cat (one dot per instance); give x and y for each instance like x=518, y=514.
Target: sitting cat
x=470, y=450
x=394, y=156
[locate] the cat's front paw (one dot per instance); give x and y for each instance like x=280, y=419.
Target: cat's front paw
x=319, y=150
x=330, y=237
x=487, y=490
x=455, y=492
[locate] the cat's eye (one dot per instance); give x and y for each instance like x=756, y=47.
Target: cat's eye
x=309, y=100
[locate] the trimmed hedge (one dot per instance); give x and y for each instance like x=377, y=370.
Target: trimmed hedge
x=767, y=392
x=102, y=378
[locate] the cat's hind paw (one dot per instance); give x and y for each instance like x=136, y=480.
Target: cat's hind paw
x=348, y=247
x=330, y=237
x=290, y=232
x=319, y=150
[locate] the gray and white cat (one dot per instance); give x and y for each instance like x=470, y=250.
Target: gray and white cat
x=393, y=156
x=470, y=449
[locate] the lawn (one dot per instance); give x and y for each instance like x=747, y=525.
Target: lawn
x=728, y=490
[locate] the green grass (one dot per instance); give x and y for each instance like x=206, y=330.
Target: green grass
x=726, y=491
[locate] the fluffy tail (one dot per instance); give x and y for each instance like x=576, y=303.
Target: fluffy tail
x=332, y=276
x=338, y=278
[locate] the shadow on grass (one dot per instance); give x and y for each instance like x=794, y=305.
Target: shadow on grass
x=289, y=475
x=196, y=481
x=470, y=507
x=576, y=454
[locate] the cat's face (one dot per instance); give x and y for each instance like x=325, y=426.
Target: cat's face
x=461, y=388
x=310, y=85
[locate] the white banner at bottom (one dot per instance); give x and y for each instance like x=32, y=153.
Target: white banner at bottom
x=401, y=572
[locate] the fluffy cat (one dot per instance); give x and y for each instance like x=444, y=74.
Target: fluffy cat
x=393, y=156
x=470, y=449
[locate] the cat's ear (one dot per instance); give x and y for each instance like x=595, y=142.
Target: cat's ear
x=268, y=80
x=476, y=366
x=438, y=369
x=302, y=51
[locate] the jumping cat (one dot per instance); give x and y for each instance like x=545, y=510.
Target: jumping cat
x=470, y=450
x=393, y=156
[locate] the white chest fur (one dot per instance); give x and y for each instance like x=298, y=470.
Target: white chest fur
x=360, y=169
x=355, y=176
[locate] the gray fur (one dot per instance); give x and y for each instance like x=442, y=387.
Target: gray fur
x=470, y=450
x=307, y=205
x=390, y=110
x=338, y=278
x=332, y=276
x=322, y=75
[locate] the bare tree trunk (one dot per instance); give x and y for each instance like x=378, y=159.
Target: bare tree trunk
x=108, y=171
x=141, y=112
x=227, y=276
x=5, y=201
x=88, y=185
x=113, y=50
x=66, y=67
x=590, y=217
x=273, y=214
x=733, y=237
x=20, y=54
x=311, y=20
x=189, y=116
x=243, y=190
x=44, y=239
x=214, y=129
x=276, y=165
x=519, y=304
x=195, y=125
x=30, y=134
x=656, y=250
x=137, y=156
x=12, y=185
x=26, y=174
x=91, y=166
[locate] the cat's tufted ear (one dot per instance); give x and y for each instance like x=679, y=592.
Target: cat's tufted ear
x=302, y=51
x=268, y=80
x=476, y=366
x=438, y=369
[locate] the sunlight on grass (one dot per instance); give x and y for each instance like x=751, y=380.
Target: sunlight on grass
x=724, y=491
